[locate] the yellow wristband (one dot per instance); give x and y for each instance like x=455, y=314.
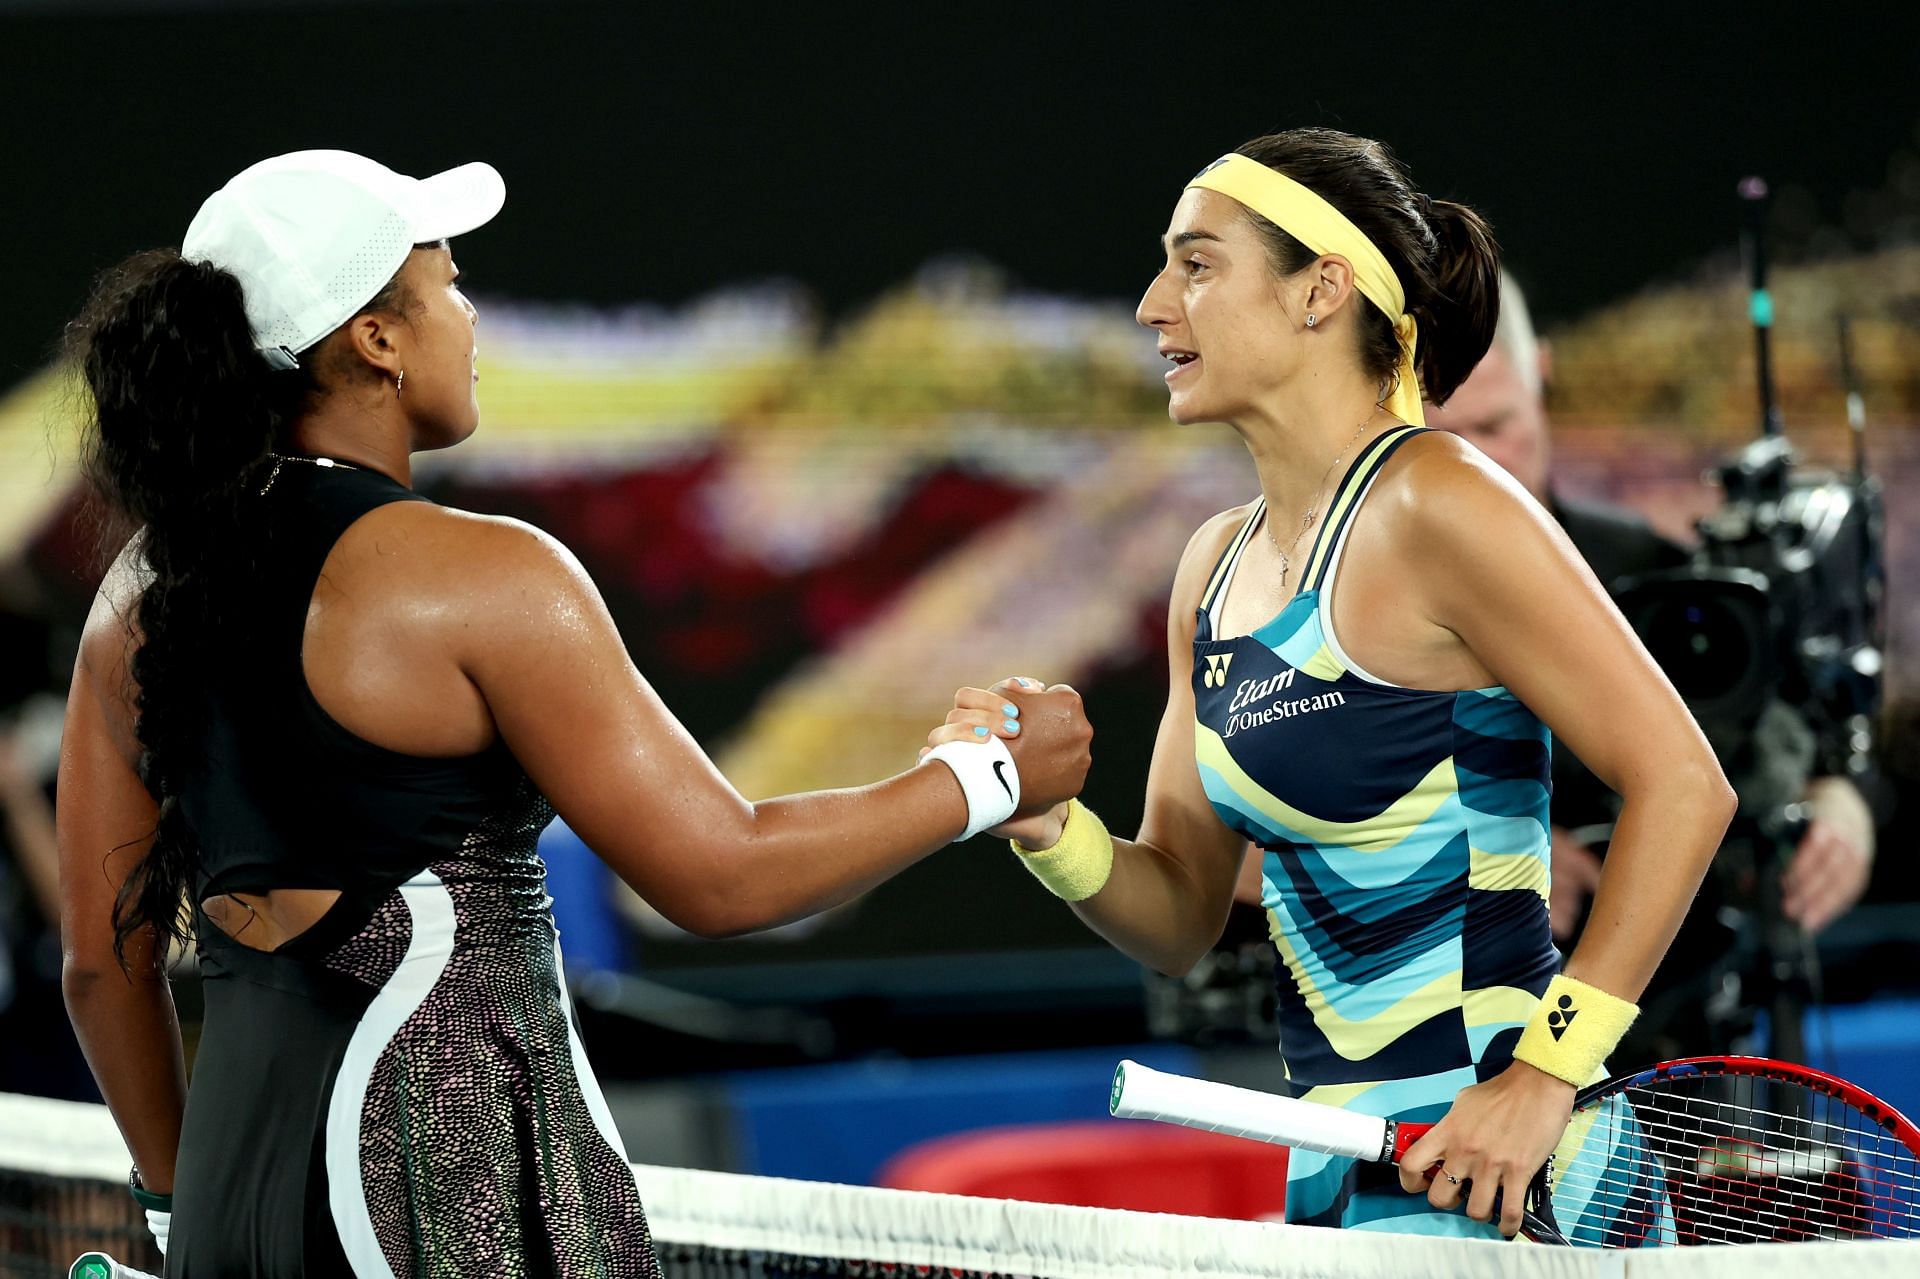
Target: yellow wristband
x=1573, y=1030
x=1077, y=865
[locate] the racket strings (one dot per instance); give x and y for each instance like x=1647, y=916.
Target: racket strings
x=1740, y=1122
x=1813, y=1155
x=1748, y=1217
x=1731, y=1159
x=1813, y=1164
x=1658, y=1220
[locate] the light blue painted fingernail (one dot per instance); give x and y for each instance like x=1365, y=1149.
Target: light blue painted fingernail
x=979, y=730
x=1010, y=710
x=1012, y=726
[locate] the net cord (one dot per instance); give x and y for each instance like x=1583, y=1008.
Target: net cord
x=733, y=1211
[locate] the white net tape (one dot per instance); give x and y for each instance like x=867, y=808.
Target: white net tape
x=727, y=1210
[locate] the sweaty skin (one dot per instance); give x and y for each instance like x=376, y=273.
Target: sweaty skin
x=1452, y=579
x=437, y=632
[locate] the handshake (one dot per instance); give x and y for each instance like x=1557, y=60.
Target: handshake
x=1041, y=732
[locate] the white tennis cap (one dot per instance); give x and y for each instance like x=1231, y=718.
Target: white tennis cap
x=314, y=235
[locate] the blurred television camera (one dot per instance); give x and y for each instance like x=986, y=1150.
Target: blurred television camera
x=1773, y=635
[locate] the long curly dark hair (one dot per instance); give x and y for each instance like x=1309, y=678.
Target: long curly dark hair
x=184, y=416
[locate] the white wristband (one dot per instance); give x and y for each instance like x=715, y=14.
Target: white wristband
x=987, y=777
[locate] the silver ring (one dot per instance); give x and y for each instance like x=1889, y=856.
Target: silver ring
x=1449, y=1176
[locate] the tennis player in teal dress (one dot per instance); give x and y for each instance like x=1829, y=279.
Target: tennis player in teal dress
x=1364, y=665
x=1404, y=844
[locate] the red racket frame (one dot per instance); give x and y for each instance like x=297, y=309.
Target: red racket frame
x=1538, y=1223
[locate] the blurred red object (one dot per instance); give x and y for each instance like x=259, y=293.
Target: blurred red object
x=1143, y=1167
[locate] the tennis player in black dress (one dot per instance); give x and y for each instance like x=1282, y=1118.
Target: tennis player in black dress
x=329, y=718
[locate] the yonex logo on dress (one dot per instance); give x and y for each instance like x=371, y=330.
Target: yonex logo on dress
x=1216, y=676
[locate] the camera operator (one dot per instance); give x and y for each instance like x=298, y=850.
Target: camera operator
x=1501, y=408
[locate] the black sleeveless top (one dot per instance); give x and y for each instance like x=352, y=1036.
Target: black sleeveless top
x=289, y=798
x=414, y=1098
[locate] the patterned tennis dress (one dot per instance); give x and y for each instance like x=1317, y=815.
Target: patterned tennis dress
x=1405, y=852
x=398, y=1091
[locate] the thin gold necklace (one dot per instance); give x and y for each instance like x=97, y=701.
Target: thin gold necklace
x=1313, y=506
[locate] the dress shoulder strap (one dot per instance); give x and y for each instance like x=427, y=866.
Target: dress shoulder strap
x=1224, y=566
x=1340, y=509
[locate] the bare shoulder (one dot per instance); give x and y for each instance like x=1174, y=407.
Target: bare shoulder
x=444, y=553
x=486, y=593
x=1437, y=491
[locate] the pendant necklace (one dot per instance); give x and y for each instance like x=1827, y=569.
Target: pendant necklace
x=1313, y=506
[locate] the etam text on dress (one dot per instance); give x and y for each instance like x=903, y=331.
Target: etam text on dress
x=1239, y=720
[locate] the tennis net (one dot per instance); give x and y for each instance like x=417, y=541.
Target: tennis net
x=62, y=1192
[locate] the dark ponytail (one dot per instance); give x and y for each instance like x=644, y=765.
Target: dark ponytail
x=184, y=413
x=1459, y=303
x=1444, y=253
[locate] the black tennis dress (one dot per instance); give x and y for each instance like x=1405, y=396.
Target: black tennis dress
x=399, y=1091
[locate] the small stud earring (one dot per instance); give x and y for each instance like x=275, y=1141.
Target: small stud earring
x=1309, y=319
x=399, y=381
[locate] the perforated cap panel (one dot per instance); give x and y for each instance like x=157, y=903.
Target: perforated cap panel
x=313, y=236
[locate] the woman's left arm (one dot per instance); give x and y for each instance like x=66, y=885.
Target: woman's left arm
x=1495, y=570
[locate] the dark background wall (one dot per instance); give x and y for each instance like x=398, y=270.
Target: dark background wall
x=653, y=151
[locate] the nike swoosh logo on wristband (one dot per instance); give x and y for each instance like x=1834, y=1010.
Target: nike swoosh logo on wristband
x=999, y=764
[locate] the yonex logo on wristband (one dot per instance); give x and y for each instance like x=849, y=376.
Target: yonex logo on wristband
x=1576, y=1059
x=1562, y=1017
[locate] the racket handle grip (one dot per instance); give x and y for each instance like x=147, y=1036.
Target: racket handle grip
x=1143, y=1093
x=1399, y=1137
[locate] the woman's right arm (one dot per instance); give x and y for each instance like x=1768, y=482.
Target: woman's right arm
x=1167, y=898
x=104, y=820
x=634, y=784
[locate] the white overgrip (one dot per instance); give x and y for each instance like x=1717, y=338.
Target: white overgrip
x=1140, y=1092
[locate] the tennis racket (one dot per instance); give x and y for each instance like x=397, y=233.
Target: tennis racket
x=1703, y=1150
x=98, y=1265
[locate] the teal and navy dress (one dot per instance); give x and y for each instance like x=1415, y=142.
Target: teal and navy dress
x=1404, y=872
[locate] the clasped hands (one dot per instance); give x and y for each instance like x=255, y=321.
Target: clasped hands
x=1045, y=729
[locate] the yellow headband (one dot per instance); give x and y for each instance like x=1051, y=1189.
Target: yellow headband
x=1324, y=229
